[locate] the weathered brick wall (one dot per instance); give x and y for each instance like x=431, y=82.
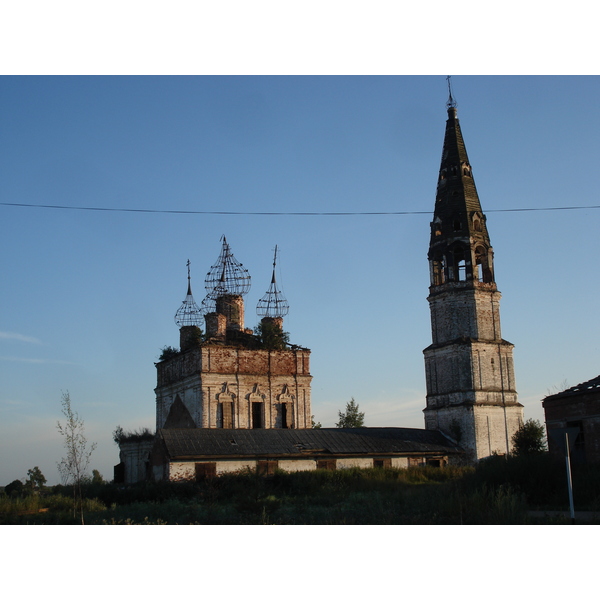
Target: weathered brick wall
x=467, y=368
x=134, y=456
x=205, y=376
x=189, y=391
x=580, y=407
x=481, y=429
x=185, y=470
x=465, y=312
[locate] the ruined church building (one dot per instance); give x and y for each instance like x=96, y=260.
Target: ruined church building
x=235, y=398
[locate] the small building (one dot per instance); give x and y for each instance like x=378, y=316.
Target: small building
x=579, y=407
x=193, y=454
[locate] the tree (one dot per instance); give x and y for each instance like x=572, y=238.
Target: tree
x=313, y=424
x=352, y=417
x=168, y=352
x=529, y=439
x=74, y=466
x=97, y=477
x=271, y=336
x=14, y=488
x=35, y=480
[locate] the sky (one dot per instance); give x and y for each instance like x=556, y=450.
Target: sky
x=89, y=296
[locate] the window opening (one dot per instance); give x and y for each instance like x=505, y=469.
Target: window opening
x=328, y=464
x=257, y=416
x=266, y=467
x=205, y=470
x=225, y=415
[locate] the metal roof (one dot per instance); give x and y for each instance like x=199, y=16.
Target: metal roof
x=183, y=443
x=580, y=388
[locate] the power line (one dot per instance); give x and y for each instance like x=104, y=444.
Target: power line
x=279, y=213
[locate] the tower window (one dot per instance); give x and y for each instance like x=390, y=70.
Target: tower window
x=437, y=274
x=457, y=268
x=483, y=270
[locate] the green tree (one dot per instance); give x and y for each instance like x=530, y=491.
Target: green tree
x=168, y=352
x=529, y=438
x=313, y=424
x=352, y=417
x=97, y=477
x=271, y=336
x=74, y=465
x=15, y=488
x=35, y=480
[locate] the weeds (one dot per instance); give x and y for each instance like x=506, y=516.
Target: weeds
x=498, y=491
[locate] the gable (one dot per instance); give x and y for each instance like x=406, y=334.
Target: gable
x=179, y=416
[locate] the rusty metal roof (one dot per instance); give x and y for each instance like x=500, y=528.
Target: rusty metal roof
x=580, y=388
x=183, y=443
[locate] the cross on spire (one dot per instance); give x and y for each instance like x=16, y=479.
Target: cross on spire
x=451, y=101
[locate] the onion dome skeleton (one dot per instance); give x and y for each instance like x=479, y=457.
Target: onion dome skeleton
x=273, y=304
x=226, y=277
x=189, y=313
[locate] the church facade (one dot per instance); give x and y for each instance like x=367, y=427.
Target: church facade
x=471, y=390
x=231, y=378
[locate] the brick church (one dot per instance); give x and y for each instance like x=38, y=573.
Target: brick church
x=233, y=398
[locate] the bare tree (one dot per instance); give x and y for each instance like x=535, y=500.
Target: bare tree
x=73, y=467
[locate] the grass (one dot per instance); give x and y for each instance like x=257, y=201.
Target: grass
x=498, y=491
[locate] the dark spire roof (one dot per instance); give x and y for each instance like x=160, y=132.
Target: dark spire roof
x=456, y=198
x=460, y=248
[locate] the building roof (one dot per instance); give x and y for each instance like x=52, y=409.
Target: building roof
x=187, y=443
x=580, y=388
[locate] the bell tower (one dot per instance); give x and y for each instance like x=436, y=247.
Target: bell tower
x=471, y=393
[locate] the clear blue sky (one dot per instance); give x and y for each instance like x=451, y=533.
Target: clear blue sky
x=89, y=297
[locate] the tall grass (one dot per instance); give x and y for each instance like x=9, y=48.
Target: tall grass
x=498, y=491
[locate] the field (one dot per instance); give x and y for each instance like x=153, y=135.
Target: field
x=498, y=491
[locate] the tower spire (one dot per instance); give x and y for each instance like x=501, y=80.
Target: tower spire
x=273, y=304
x=460, y=248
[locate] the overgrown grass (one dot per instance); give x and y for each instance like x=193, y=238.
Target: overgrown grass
x=498, y=491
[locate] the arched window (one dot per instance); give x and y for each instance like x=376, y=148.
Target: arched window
x=437, y=270
x=457, y=264
x=483, y=270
